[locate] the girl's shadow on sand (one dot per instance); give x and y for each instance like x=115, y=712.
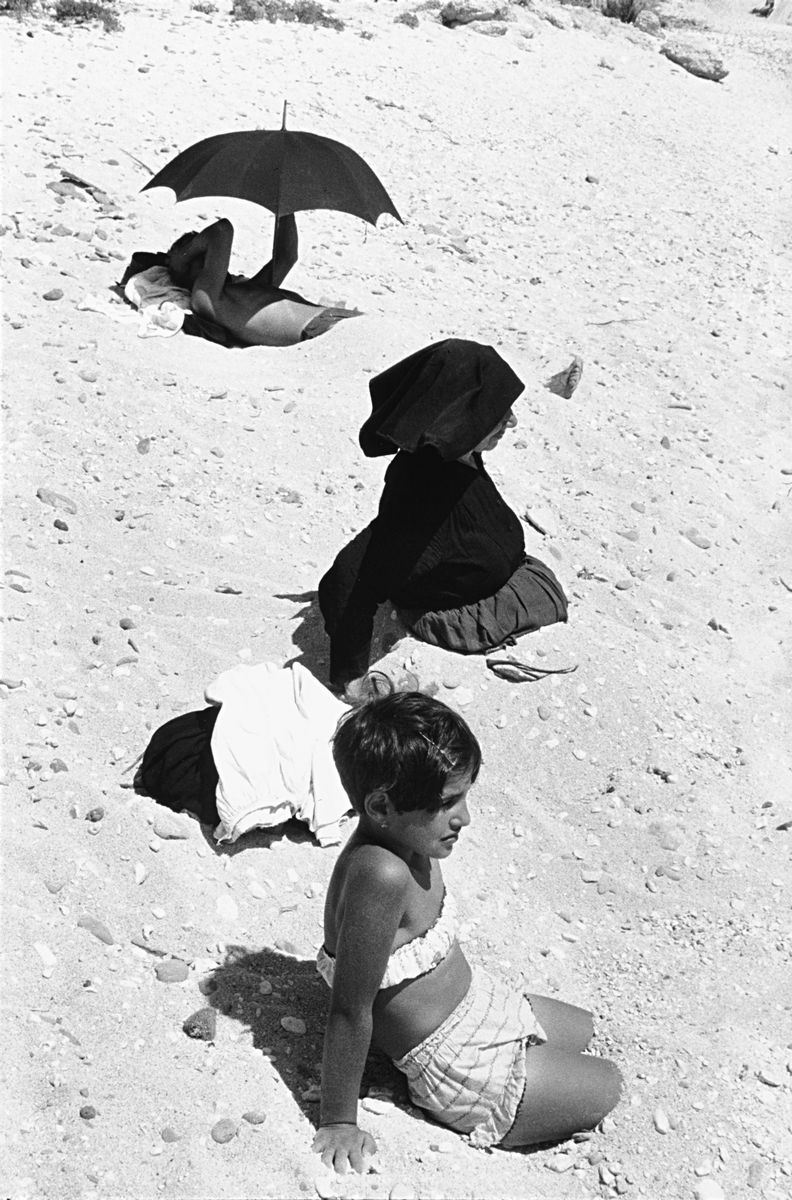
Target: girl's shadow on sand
x=258, y=989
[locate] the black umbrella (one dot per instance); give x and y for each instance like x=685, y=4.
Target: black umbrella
x=449, y=395
x=284, y=170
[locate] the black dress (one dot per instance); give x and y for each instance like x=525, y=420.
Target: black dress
x=443, y=537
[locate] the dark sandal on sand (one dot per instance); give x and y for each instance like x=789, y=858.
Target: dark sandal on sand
x=519, y=672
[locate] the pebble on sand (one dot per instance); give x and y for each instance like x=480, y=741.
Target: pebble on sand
x=254, y=1116
x=224, y=1130
x=695, y=59
x=45, y=954
x=88, y=1112
x=171, y=829
x=661, y=1121
x=709, y=1189
x=692, y=534
x=53, y=294
x=56, y=500
x=402, y=1191
x=168, y=1134
x=201, y=1025
x=755, y=1172
x=98, y=929
x=172, y=971
x=294, y=1025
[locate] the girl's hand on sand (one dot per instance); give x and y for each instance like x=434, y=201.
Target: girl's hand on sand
x=344, y=1145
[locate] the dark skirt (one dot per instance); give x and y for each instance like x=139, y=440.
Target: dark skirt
x=532, y=598
x=178, y=769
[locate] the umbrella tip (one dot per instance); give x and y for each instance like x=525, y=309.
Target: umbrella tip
x=283, y=122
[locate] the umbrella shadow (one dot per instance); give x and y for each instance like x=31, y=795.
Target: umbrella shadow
x=258, y=988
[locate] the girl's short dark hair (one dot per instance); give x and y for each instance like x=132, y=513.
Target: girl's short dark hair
x=407, y=744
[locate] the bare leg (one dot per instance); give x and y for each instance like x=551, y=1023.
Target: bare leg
x=564, y=1093
x=567, y=1026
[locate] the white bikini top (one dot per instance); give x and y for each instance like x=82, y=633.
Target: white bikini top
x=416, y=957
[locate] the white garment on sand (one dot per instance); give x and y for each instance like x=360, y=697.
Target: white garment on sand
x=271, y=747
x=162, y=304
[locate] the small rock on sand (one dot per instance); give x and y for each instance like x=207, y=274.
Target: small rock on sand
x=254, y=1117
x=98, y=929
x=697, y=538
x=45, y=954
x=201, y=1025
x=661, y=1121
x=224, y=1130
x=56, y=500
x=171, y=829
x=697, y=60
x=708, y=1189
x=172, y=971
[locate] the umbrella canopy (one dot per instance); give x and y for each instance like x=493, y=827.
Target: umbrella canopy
x=449, y=395
x=284, y=170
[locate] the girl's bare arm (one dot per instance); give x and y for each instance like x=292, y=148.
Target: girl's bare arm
x=373, y=905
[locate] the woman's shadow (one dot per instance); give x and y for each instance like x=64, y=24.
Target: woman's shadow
x=313, y=644
x=309, y=634
x=261, y=989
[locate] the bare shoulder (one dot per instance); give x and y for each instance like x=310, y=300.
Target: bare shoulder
x=374, y=867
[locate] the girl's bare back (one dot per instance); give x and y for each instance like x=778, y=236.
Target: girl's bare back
x=406, y=1013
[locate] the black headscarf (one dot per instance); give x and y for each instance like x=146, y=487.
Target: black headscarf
x=449, y=395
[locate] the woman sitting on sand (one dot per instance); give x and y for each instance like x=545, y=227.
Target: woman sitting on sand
x=504, y=1068
x=257, y=311
x=445, y=547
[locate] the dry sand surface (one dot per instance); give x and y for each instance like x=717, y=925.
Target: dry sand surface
x=566, y=190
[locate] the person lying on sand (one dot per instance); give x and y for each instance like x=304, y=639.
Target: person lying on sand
x=257, y=311
x=501, y=1066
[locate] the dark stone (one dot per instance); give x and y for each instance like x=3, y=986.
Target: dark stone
x=201, y=1025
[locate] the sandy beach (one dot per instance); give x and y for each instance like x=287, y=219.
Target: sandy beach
x=170, y=505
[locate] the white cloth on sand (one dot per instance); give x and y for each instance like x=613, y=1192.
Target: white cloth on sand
x=271, y=747
x=162, y=304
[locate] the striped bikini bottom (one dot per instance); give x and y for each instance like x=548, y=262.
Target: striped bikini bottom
x=325, y=320
x=470, y=1073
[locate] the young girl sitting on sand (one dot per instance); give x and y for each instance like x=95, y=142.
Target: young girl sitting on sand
x=503, y=1068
